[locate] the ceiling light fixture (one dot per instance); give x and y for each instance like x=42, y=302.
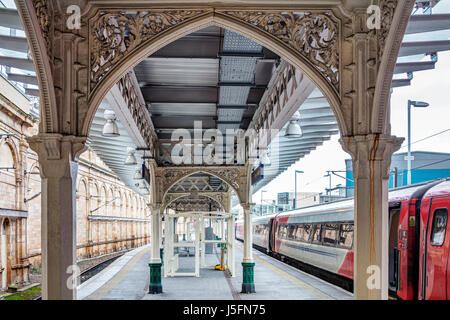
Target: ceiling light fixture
x=131, y=159
x=110, y=129
x=293, y=129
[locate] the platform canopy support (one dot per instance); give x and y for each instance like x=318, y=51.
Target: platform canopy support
x=248, y=265
x=199, y=243
x=155, y=264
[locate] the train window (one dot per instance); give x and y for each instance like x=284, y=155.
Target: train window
x=439, y=227
x=282, y=231
x=291, y=231
x=346, y=235
x=298, y=232
x=307, y=230
x=329, y=233
x=316, y=234
x=303, y=232
x=260, y=229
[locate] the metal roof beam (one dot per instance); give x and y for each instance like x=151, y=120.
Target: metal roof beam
x=244, y=107
x=428, y=22
x=240, y=54
x=318, y=112
x=423, y=47
x=32, y=92
x=317, y=120
x=18, y=63
x=13, y=43
x=23, y=78
x=406, y=67
x=400, y=83
x=9, y=18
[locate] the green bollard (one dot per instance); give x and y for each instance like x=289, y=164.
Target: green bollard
x=248, y=282
x=155, y=278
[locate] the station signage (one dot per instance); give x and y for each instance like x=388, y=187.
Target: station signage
x=258, y=174
x=145, y=173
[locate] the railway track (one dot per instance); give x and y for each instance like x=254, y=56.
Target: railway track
x=92, y=271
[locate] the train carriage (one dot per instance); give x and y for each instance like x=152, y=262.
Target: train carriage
x=320, y=238
x=434, y=257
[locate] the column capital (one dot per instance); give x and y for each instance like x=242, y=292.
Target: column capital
x=154, y=207
x=366, y=149
x=56, y=152
x=247, y=206
x=51, y=146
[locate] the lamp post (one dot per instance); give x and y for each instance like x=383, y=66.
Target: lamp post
x=260, y=211
x=417, y=104
x=295, y=195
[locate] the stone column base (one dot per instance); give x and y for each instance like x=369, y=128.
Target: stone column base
x=248, y=283
x=155, y=278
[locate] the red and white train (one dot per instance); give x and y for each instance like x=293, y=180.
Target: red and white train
x=320, y=239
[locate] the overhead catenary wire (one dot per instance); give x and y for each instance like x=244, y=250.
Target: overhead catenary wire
x=427, y=137
x=430, y=164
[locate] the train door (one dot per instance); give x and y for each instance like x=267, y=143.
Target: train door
x=394, y=215
x=448, y=271
x=271, y=229
x=436, y=254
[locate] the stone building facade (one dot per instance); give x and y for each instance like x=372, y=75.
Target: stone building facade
x=110, y=216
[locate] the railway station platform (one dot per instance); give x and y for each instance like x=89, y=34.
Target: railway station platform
x=127, y=279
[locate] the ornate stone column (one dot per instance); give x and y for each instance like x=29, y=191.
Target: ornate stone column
x=371, y=155
x=58, y=163
x=155, y=261
x=248, y=283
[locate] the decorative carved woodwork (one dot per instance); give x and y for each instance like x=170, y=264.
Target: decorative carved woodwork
x=115, y=33
x=129, y=87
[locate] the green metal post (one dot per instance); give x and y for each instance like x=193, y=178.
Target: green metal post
x=248, y=282
x=155, y=278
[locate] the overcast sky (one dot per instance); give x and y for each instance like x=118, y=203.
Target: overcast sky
x=432, y=86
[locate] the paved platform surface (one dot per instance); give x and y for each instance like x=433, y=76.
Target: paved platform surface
x=127, y=278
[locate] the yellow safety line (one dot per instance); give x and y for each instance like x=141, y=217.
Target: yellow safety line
x=112, y=283
x=301, y=284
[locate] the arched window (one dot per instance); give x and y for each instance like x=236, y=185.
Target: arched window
x=81, y=212
x=6, y=156
x=7, y=175
x=102, y=202
x=110, y=203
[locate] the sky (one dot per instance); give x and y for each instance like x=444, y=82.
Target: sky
x=432, y=86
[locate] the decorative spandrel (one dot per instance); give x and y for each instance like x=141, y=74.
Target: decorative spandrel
x=113, y=35
x=315, y=35
x=44, y=12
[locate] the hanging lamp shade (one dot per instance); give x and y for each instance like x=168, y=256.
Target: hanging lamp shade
x=293, y=129
x=110, y=129
x=130, y=159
